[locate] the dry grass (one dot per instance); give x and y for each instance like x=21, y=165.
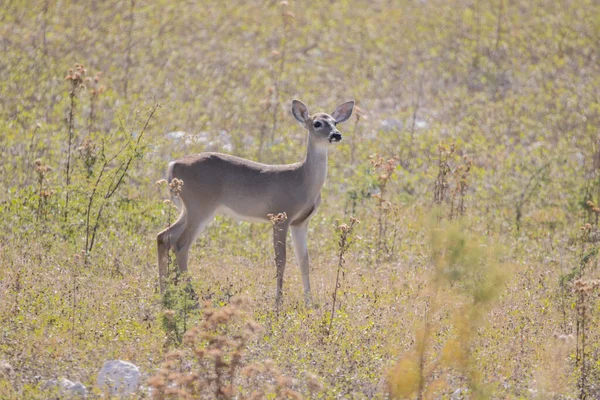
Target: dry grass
x=420, y=310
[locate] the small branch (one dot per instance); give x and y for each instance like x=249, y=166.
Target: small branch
x=68, y=177
x=98, y=216
x=282, y=59
x=45, y=27
x=527, y=192
x=75, y=78
x=343, y=245
x=499, y=23
x=125, y=166
x=116, y=181
x=416, y=106
x=129, y=45
x=88, y=246
x=421, y=347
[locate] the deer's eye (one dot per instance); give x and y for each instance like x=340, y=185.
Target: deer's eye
x=317, y=124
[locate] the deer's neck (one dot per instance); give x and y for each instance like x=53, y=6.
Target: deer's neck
x=315, y=167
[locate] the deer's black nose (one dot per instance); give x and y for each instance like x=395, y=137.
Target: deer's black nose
x=335, y=137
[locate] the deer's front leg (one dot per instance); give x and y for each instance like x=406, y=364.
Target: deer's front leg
x=280, y=229
x=299, y=236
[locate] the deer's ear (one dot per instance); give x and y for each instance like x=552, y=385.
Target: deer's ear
x=343, y=112
x=300, y=111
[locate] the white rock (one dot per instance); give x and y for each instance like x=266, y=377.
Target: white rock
x=458, y=394
x=420, y=124
x=391, y=124
x=66, y=387
x=175, y=135
x=228, y=147
x=6, y=370
x=118, y=378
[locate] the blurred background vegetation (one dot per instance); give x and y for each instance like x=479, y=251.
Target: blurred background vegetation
x=472, y=161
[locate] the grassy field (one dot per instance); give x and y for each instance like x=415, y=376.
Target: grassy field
x=472, y=163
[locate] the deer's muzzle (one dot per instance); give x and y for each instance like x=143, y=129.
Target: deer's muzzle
x=335, y=137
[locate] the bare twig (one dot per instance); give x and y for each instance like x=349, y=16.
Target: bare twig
x=117, y=179
x=90, y=202
x=75, y=78
x=416, y=106
x=278, y=73
x=343, y=245
x=129, y=45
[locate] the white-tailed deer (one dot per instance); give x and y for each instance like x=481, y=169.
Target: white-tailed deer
x=250, y=191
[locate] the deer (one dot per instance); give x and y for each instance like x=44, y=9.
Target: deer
x=216, y=183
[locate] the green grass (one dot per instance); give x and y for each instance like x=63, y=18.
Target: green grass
x=422, y=310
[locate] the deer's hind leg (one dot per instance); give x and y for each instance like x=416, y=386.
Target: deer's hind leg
x=165, y=242
x=196, y=223
x=179, y=237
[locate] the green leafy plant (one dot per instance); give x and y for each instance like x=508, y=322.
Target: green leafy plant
x=468, y=276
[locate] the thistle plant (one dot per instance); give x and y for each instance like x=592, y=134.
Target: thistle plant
x=346, y=239
x=88, y=152
x=593, y=211
x=43, y=193
x=358, y=114
x=175, y=187
x=461, y=183
x=213, y=361
x=444, y=153
x=75, y=78
x=95, y=89
x=384, y=169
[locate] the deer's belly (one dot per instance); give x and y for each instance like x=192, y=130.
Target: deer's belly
x=241, y=216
